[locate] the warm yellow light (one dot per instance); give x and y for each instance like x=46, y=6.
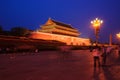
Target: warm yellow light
x=96, y=23
x=118, y=35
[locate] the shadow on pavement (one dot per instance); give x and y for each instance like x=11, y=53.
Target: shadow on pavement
x=107, y=73
x=96, y=73
x=102, y=73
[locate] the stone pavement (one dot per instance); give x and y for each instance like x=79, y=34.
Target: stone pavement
x=54, y=65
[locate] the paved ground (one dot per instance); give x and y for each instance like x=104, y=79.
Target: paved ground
x=53, y=65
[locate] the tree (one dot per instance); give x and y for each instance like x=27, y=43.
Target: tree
x=20, y=31
x=1, y=29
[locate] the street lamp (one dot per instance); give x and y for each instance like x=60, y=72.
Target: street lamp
x=96, y=25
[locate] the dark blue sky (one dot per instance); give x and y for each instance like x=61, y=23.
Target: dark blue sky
x=78, y=13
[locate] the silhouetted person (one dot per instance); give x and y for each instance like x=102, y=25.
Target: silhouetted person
x=91, y=48
x=106, y=52
x=104, y=55
x=119, y=51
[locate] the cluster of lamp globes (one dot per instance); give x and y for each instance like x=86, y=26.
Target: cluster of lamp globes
x=96, y=23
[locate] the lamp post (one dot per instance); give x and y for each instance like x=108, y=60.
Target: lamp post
x=96, y=25
x=118, y=36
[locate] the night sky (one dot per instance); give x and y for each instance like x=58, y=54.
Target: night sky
x=79, y=13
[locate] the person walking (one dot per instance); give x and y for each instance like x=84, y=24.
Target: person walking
x=119, y=51
x=108, y=50
x=96, y=56
x=104, y=55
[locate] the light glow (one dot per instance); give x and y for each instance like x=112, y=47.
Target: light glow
x=118, y=35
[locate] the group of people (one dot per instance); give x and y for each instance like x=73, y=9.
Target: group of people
x=100, y=53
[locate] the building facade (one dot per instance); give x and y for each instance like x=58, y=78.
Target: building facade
x=54, y=30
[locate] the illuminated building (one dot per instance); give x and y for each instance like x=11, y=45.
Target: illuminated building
x=54, y=30
x=54, y=27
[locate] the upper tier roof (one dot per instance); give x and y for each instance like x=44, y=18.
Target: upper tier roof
x=51, y=21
